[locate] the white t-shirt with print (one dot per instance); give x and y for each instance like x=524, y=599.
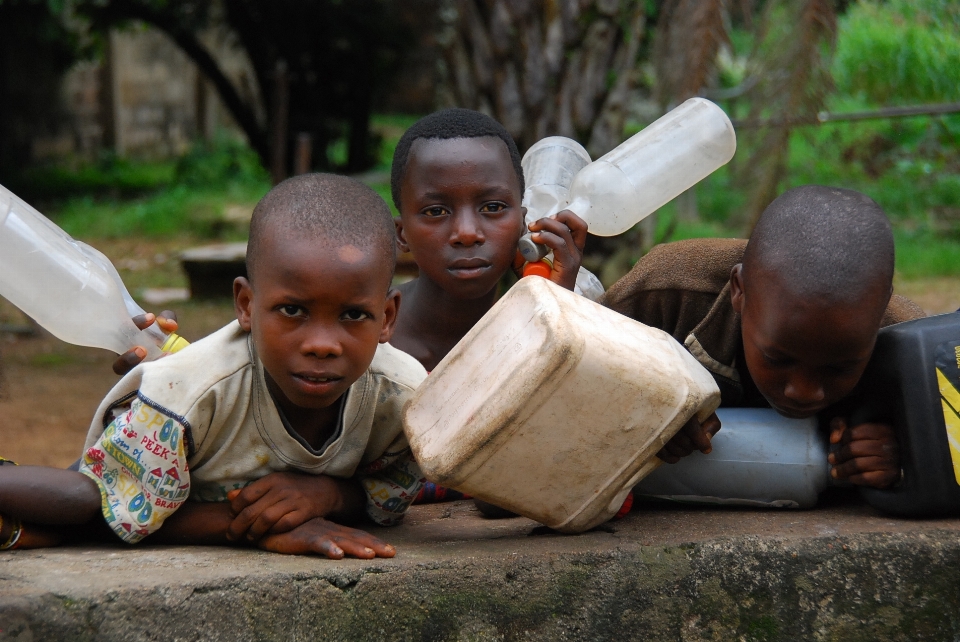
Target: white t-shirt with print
x=199, y=423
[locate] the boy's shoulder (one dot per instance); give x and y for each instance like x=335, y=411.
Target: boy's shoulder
x=202, y=364
x=397, y=366
x=695, y=265
x=176, y=381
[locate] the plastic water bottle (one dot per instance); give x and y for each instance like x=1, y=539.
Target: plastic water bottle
x=549, y=167
x=68, y=287
x=759, y=458
x=653, y=167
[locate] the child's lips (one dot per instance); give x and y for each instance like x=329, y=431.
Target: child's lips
x=798, y=412
x=468, y=268
x=317, y=383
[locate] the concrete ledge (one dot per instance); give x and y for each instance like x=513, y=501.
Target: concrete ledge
x=842, y=572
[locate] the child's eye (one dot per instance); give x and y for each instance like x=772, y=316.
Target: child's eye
x=493, y=208
x=355, y=315
x=291, y=310
x=776, y=362
x=433, y=212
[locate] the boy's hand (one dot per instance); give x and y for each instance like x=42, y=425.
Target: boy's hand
x=280, y=502
x=323, y=537
x=565, y=233
x=868, y=455
x=167, y=320
x=693, y=436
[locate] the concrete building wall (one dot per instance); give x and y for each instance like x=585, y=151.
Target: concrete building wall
x=144, y=99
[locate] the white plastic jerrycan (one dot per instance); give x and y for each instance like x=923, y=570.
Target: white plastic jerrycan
x=554, y=407
x=68, y=287
x=759, y=458
x=653, y=167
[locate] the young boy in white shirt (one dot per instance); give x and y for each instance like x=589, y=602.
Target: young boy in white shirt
x=304, y=381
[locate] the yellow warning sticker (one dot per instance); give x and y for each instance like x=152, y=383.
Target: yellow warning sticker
x=950, y=398
x=948, y=380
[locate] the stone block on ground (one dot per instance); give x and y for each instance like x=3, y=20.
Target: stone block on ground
x=841, y=572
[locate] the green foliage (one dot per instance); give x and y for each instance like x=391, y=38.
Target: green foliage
x=180, y=210
x=902, y=51
x=187, y=197
x=110, y=174
x=221, y=161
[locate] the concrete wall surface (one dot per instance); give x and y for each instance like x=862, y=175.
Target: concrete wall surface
x=842, y=572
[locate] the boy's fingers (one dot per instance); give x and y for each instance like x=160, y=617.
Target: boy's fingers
x=837, y=428
x=129, y=360
x=712, y=425
x=362, y=541
x=667, y=457
x=355, y=548
x=680, y=445
x=876, y=479
x=871, y=431
x=865, y=448
x=244, y=520
x=577, y=226
x=699, y=439
x=861, y=465
x=249, y=494
x=144, y=321
x=269, y=518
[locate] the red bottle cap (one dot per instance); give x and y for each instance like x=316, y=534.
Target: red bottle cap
x=540, y=268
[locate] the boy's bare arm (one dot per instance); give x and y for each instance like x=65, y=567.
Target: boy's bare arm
x=43, y=495
x=280, y=502
x=868, y=455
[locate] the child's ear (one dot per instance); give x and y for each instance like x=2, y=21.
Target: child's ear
x=401, y=240
x=390, y=315
x=243, y=301
x=736, y=288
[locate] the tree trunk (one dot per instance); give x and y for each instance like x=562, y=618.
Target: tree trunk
x=544, y=67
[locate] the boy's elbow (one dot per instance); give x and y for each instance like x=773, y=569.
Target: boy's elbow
x=85, y=497
x=76, y=500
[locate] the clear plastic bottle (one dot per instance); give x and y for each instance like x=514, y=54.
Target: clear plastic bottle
x=549, y=167
x=68, y=287
x=759, y=458
x=653, y=167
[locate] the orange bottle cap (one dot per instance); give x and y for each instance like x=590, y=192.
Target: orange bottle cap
x=540, y=268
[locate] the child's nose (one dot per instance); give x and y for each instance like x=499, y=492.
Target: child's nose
x=466, y=229
x=804, y=389
x=321, y=341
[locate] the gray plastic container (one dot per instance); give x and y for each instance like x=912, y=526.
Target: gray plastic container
x=759, y=459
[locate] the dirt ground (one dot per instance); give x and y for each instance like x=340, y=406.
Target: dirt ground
x=49, y=390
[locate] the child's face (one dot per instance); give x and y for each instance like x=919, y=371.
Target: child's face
x=803, y=355
x=460, y=212
x=316, y=313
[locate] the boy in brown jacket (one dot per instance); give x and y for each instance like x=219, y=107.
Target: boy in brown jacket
x=788, y=320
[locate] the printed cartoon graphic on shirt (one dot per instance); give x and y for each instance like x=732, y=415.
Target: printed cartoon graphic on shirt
x=141, y=468
x=391, y=483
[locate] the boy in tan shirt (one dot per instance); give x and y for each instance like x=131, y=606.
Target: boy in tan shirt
x=786, y=320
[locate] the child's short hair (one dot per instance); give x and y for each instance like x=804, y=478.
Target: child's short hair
x=823, y=241
x=328, y=207
x=445, y=124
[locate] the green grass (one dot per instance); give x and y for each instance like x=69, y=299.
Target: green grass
x=177, y=210
x=924, y=254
